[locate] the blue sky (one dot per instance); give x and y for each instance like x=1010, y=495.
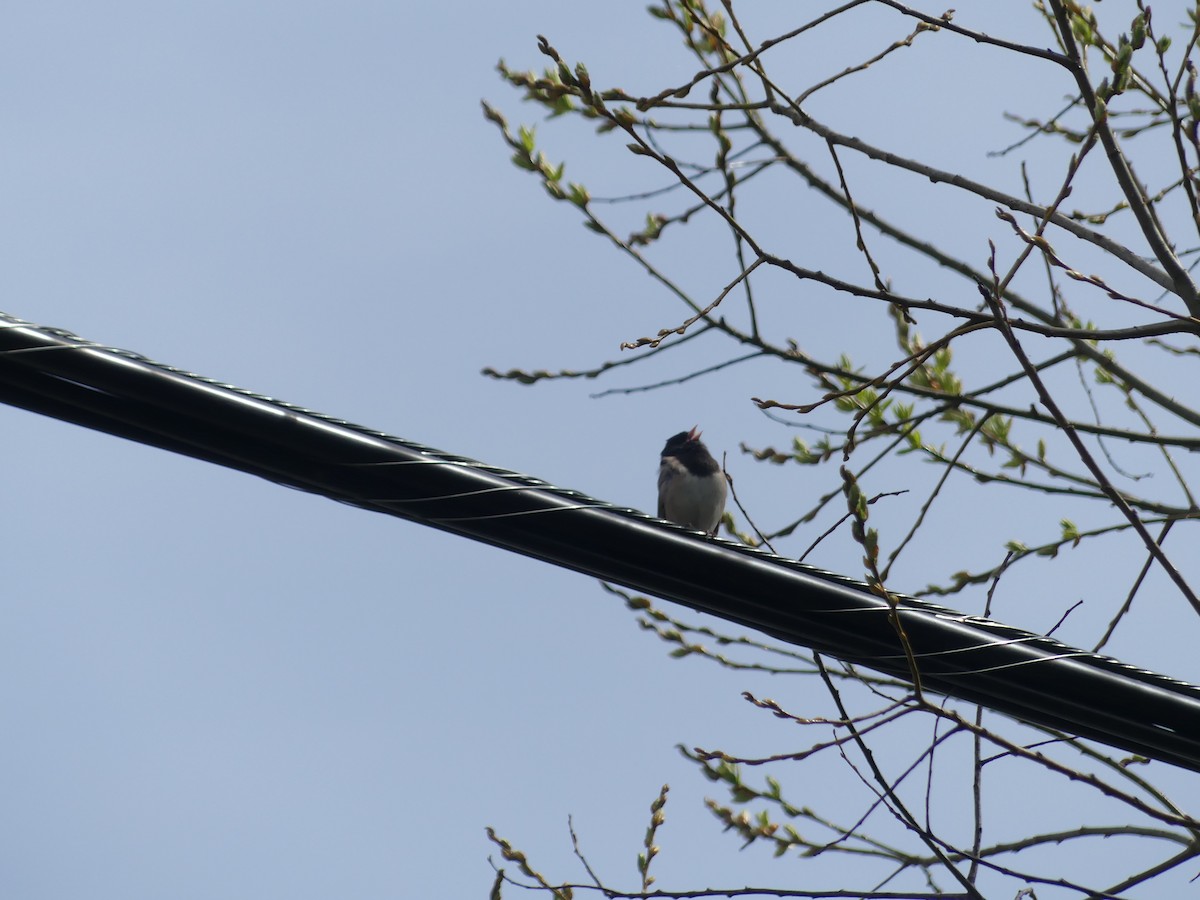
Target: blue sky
x=216, y=687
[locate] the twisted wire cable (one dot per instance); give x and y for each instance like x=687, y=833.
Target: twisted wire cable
x=1032, y=678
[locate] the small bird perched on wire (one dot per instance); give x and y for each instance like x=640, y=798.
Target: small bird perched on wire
x=691, y=486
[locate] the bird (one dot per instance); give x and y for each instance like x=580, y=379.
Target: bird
x=691, y=486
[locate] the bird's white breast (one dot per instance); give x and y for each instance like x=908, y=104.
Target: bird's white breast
x=695, y=501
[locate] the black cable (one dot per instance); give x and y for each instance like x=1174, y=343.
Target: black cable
x=1032, y=678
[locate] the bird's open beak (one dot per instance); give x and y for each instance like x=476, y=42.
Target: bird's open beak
x=694, y=434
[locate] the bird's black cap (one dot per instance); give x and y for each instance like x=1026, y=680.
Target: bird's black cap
x=677, y=441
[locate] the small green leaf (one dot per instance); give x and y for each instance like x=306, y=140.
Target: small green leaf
x=578, y=194
x=1081, y=29
x=526, y=135
x=1138, y=31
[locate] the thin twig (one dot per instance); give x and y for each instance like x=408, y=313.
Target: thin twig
x=1086, y=457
